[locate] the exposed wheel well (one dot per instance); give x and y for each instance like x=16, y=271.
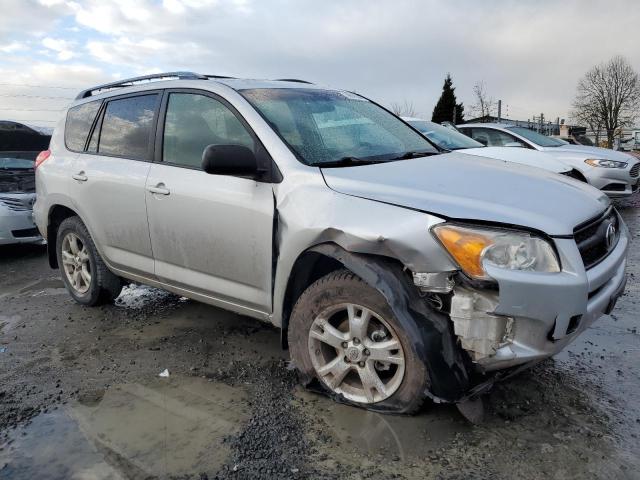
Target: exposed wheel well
x=57, y=214
x=309, y=267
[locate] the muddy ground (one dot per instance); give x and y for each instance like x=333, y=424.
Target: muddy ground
x=81, y=398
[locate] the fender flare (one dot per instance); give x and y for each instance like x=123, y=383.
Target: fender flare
x=431, y=331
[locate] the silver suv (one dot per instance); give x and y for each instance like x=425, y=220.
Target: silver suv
x=396, y=271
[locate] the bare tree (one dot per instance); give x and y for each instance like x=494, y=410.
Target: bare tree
x=588, y=115
x=404, y=109
x=485, y=105
x=608, y=96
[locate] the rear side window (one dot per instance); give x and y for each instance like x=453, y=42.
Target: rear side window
x=79, y=121
x=127, y=126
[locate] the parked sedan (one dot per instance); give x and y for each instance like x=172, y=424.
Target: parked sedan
x=450, y=139
x=615, y=173
x=17, y=194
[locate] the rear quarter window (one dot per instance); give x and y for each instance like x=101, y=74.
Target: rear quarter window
x=78, y=124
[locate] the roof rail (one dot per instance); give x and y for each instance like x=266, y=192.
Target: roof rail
x=296, y=80
x=130, y=81
x=219, y=76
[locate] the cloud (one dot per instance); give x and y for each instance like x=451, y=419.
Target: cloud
x=13, y=47
x=25, y=17
x=530, y=54
x=32, y=92
x=63, y=48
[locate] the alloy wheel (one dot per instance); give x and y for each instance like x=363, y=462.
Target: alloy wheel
x=75, y=262
x=356, y=353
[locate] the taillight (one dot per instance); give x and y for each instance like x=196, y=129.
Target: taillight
x=42, y=156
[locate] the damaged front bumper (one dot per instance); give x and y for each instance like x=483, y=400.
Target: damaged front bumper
x=532, y=316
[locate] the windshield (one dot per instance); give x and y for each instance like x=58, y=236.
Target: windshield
x=444, y=137
x=537, y=138
x=328, y=126
x=10, y=163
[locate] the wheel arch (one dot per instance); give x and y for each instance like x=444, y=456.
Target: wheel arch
x=311, y=265
x=431, y=331
x=57, y=214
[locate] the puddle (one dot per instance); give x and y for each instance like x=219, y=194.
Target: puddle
x=166, y=428
x=390, y=436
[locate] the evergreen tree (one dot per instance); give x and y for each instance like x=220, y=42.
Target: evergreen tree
x=443, y=111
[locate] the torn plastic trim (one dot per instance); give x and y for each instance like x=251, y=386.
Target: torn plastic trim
x=431, y=331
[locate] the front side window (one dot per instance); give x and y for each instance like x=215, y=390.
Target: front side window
x=326, y=126
x=537, y=138
x=194, y=122
x=493, y=138
x=79, y=121
x=444, y=137
x=127, y=127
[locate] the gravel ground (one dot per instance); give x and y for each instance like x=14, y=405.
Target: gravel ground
x=81, y=397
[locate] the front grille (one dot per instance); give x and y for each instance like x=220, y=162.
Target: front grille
x=17, y=204
x=635, y=170
x=597, y=237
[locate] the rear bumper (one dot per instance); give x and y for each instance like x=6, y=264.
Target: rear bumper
x=546, y=312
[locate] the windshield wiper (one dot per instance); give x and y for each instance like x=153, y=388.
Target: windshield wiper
x=417, y=154
x=347, y=162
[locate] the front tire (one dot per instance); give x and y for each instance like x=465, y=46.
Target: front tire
x=84, y=273
x=343, y=333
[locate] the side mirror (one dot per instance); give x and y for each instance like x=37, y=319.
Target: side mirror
x=229, y=160
x=513, y=144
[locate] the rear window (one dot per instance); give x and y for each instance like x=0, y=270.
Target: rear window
x=127, y=125
x=79, y=121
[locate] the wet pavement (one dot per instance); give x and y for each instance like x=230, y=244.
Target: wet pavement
x=81, y=397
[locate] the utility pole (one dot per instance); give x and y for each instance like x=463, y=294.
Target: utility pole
x=541, y=122
x=499, y=111
x=454, y=114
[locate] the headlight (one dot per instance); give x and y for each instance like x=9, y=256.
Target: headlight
x=596, y=162
x=471, y=248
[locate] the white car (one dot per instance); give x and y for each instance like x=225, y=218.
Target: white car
x=450, y=139
x=615, y=173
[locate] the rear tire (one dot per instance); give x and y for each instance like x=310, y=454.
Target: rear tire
x=343, y=333
x=84, y=273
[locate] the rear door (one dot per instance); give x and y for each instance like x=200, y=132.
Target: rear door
x=211, y=234
x=109, y=180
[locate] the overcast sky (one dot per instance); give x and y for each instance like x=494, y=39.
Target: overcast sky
x=528, y=53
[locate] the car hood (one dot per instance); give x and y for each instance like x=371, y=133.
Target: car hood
x=459, y=186
x=592, y=152
x=522, y=156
